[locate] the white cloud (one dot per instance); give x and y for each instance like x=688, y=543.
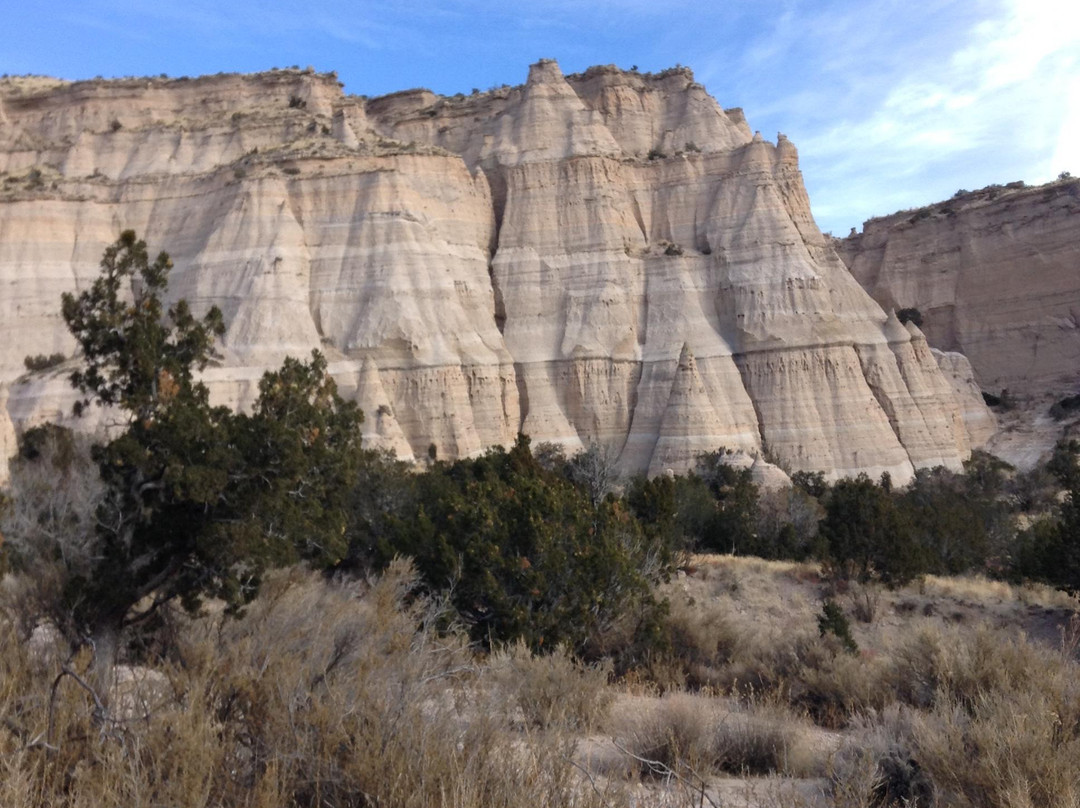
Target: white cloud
x=1000, y=103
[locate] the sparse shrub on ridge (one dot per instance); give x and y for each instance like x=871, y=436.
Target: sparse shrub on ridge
x=911, y=315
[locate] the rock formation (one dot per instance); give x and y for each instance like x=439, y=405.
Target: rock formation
x=607, y=258
x=8, y=439
x=995, y=275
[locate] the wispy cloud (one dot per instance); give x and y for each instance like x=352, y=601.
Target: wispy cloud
x=995, y=105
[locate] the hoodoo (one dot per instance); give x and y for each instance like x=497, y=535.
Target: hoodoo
x=608, y=257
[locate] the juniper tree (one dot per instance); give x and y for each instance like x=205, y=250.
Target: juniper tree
x=199, y=499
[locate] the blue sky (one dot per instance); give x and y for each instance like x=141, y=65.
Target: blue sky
x=892, y=103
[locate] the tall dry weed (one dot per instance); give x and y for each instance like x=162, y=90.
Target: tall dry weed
x=694, y=736
x=322, y=695
x=554, y=690
x=977, y=718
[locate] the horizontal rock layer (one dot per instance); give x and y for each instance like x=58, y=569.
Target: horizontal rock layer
x=604, y=258
x=995, y=274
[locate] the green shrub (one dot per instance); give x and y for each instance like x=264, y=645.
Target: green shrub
x=867, y=535
x=200, y=499
x=832, y=620
x=526, y=554
x=910, y=315
x=732, y=528
x=43, y=362
x=956, y=520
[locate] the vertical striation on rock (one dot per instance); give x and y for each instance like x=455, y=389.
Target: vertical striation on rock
x=978, y=420
x=691, y=423
x=608, y=257
x=994, y=274
x=8, y=439
x=381, y=429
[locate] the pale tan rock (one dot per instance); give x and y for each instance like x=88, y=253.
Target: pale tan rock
x=921, y=412
x=767, y=476
x=978, y=419
x=994, y=274
x=256, y=267
x=817, y=412
x=381, y=429
x=691, y=423
x=48, y=397
x=668, y=112
x=8, y=441
x=478, y=265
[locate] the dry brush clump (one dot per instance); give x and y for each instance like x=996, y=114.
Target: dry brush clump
x=49, y=526
x=552, y=691
x=695, y=736
x=976, y=718
x=712, y=646
x=933, y=712
x=321, y=695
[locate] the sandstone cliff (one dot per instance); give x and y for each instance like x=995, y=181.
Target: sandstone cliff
x=607, y=257
x=995, y=274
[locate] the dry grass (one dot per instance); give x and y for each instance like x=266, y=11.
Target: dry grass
x=981, y=719
x=346, y=695
x=949, y=701
x=698, y=735
x=553, y=691
x=321, y=696
x=983, y=590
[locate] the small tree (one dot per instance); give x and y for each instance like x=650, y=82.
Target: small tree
x=527, y=555
x=593, y=469
x=832, y=620
x=867, y=535
x=733, y=528
x=133, y=358
x=199, y=499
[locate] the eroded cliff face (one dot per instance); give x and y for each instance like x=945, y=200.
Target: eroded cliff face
x=607, y=257
x=996, y=276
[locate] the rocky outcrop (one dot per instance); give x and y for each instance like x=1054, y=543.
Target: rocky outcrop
x=995, y=275
x=607, y=258
x=980, y=423
x=8, y=440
